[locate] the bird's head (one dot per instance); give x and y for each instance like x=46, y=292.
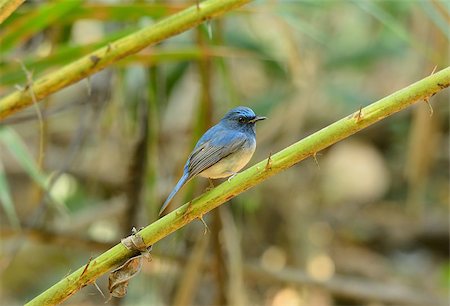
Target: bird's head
x=242, y=118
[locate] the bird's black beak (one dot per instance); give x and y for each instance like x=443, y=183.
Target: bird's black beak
x=257, y=118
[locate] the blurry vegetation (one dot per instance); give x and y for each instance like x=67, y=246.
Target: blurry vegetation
x=367, y=226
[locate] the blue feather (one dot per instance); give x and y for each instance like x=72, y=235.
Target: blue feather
x=183, y=180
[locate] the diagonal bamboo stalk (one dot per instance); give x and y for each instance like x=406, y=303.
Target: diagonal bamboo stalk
x=249, y=178
x=115, y=51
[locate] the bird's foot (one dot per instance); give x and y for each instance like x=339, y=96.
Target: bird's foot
x=232, y=176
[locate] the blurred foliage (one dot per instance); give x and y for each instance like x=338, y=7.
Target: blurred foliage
x=375, y=209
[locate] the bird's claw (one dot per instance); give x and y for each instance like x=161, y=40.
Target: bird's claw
x=231, y=177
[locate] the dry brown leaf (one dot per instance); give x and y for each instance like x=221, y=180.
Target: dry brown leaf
x=119, y=278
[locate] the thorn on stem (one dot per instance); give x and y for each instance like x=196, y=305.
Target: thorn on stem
x=315, y=160
x=29, y=87
x=86, y=267
x=94, y=59
x=99, y=290
x=434, y=70
x=358, y=115
x=427, y=99
x=430, y=108
x=206, y=230
x=269, y=162
x=68, y=274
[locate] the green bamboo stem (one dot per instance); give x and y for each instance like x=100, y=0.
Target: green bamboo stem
x=115, y=51
x=249, y=178
x=7, y=7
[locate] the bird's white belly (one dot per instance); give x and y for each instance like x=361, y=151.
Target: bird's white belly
x=230, y=164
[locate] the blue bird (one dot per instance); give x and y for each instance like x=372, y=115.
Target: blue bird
x=223, y=150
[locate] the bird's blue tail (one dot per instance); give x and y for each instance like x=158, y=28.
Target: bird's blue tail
x=180, y=184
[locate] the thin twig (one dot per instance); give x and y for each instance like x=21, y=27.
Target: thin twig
x=29, y=87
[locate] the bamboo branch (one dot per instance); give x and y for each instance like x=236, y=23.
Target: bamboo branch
x=249, y=178
x=7, y=7
x=115, y=51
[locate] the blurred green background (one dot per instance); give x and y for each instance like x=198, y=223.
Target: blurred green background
x=365, y=225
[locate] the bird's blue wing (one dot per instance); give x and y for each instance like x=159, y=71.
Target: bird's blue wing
x=212, y=147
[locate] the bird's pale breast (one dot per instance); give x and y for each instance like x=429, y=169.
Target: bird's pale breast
x=232, y=163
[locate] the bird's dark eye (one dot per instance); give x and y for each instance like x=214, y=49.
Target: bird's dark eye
x=241, y=119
